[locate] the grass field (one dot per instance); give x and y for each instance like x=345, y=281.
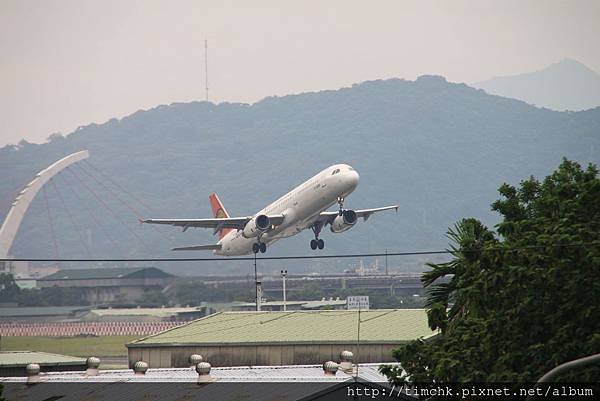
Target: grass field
x=113, y=346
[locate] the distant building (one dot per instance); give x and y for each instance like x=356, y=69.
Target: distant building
x=13, y=363
x=110, y=284
x=283, y=338
x=16, y=268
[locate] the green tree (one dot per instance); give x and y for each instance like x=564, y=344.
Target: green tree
x=9, y=290
x=522, y=301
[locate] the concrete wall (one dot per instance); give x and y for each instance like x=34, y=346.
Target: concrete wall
x=257, y=355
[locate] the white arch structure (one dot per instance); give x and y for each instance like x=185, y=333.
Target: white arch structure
x=15, y=215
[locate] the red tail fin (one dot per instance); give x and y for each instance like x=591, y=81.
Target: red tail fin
x=219, y=212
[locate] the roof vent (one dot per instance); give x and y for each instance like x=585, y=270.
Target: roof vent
x=33, y=373
x=194, y=360
x=203, y=369
x=92, y=364
x=330, y=368
x=140, y=368
x=346, y=360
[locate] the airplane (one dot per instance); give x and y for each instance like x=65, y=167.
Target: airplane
x=303, y=207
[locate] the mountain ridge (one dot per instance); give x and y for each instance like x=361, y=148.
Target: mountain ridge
x=565, y=85
x=439, y=149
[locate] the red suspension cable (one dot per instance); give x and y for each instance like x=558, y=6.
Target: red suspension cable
x=71, y=217
x=50, y=222
x=108, y=208
x=113, y=242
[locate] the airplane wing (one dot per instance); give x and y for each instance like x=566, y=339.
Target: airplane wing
x=215, y=223
x=214, y=247
x=228, y=222
x=327, y=217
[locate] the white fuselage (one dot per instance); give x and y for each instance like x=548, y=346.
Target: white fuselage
x=300, y=208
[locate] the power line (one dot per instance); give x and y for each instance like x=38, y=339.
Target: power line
x=339, y=256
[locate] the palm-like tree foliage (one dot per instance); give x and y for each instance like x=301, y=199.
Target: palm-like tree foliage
x=449, y=283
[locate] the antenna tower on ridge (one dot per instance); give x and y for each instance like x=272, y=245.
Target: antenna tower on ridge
x=206, y=66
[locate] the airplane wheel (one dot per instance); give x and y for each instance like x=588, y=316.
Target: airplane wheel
x=313, y=244
x=321, y=244
x=255, y=248
x=263, y=247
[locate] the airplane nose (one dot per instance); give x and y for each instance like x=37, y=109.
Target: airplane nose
x=352, y=179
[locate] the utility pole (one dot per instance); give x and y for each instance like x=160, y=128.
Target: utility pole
x=283, y=276
x=259, y=296
x=386, y=268
x=257, y=285
x=206, y=66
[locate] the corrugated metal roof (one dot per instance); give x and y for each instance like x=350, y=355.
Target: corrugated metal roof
x=336, y=326
x=23, y=358
x=255, y=383
x=85, y=274
x=287, y=373
x=177, y=391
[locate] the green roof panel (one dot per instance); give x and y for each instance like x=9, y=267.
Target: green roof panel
x=23, y=358
x=332, y=326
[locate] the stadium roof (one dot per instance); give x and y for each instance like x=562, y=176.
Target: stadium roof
x=157, y=312
x=106, y=273
x=30, y=311
x=304, y=304
x=23, y=358
x=391, y=326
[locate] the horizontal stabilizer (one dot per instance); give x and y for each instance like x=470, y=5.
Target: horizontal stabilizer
x=213, y=247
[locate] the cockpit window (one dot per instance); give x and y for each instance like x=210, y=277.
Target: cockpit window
x=337, y=170
x=350, y=168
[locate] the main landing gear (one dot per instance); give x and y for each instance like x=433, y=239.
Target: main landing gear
x=317, y=243
x=259, y=247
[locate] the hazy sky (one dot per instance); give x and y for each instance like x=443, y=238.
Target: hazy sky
x=69, y=63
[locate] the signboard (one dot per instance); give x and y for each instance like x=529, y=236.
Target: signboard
x=357, y=302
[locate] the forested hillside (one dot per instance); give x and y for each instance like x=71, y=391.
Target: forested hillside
x=438, y=149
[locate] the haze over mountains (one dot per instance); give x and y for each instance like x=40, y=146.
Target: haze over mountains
x=439, y=149
x=566, y=85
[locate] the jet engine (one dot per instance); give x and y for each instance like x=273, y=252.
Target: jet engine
x=256, y=226
x=343, y=222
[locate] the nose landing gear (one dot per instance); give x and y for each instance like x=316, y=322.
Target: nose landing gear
x=340, y=202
